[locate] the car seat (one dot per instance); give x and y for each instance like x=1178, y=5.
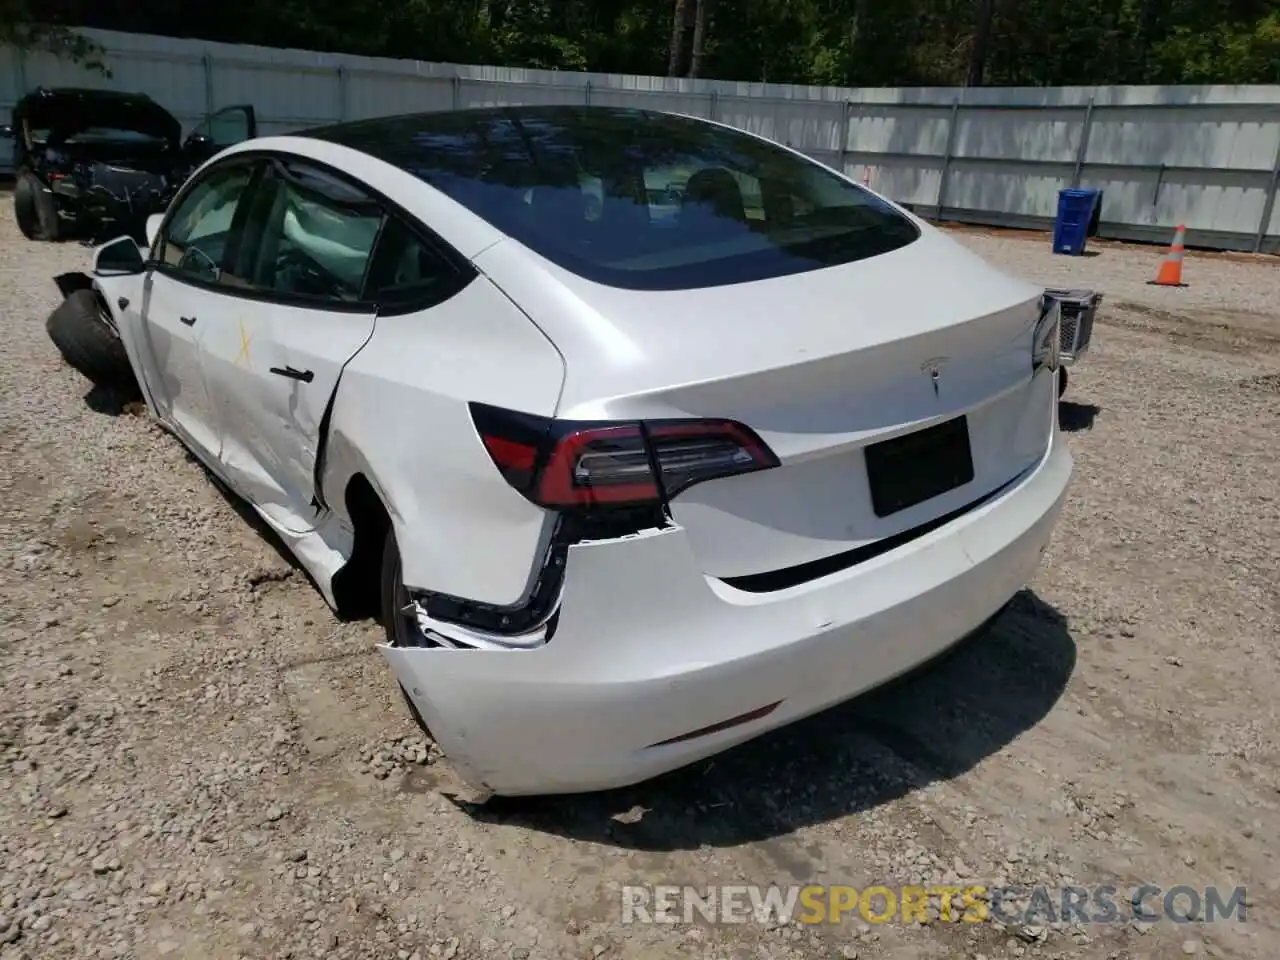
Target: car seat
x=716, y=191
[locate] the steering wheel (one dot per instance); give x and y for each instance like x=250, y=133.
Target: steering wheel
x=195, y=260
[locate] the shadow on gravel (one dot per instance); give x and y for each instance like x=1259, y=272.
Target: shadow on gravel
x=112, y=402
x=932, y=725
x=249, y=516
x=1076, y=416
x=273, y=539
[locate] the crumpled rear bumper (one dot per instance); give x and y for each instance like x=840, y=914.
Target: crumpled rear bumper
x=649, y=649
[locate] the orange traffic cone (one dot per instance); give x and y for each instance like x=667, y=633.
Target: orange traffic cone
x=1170, y=272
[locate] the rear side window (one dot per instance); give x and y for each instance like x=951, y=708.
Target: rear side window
x=407, y=271
x=641, y=200
x=308, y=235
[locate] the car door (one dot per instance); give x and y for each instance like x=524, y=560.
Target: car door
x=274, y=363
x=225, y=128
x=181, y=288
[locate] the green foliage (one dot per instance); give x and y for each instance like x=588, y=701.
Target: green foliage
x=29, y=29
x=1223, y=53
x=843, y=42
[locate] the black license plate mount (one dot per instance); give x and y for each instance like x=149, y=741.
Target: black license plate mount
x=919, y=466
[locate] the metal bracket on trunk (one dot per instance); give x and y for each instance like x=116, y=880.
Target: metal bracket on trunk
x=1079, y=308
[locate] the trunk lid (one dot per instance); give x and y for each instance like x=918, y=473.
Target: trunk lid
x=821, y=365
x=60, y=114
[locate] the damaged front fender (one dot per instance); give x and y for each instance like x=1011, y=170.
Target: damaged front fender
x=123, y=296
x=69, y=283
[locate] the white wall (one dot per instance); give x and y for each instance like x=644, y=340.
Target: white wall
x=1203, y=156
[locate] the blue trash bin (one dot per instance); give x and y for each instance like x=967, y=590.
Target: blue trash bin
x=1075, y=212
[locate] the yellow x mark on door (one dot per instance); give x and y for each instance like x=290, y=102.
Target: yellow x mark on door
x=244, y=346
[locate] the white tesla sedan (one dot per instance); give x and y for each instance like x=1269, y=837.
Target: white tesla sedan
x=647, y=434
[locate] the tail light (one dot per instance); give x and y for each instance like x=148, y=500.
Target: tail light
x=567, y=465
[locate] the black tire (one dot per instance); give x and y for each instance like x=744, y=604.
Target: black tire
x=88, y=341
x=1062, y=381
x=34, y=207
x=389, y=588
x=393, y=597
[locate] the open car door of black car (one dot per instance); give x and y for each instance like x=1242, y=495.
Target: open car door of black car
x=225, y=128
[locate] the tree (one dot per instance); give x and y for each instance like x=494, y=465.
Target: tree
x=834, y=42
x=699, y=37
x=20, y=30
x=678, y=17
x=981, y=43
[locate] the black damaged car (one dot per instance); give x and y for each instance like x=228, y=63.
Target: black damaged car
x=94, y=164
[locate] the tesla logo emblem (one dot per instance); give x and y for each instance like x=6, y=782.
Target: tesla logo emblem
x=933, y=368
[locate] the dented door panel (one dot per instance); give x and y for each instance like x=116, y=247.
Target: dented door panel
x=271, y=422
x=172, y=335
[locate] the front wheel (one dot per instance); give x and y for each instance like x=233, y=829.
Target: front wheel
x=87, y=338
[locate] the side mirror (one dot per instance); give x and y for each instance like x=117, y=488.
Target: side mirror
x=117, y=257
x=153, y=229
x=6, y=131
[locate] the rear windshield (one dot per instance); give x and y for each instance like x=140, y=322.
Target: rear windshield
x=641, y=200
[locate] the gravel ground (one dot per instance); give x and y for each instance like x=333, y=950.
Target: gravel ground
x=200, y=761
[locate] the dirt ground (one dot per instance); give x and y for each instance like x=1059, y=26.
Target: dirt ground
x=200, y=761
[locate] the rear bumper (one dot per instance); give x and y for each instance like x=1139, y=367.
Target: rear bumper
x=649, y=649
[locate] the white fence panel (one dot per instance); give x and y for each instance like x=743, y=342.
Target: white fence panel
x=640, y=99
x=1207, y=157
x=496, y=93
x=882, y=128
x=371, y=94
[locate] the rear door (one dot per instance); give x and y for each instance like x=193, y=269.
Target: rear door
x=273, y=361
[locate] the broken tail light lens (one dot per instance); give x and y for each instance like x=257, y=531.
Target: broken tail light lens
x=566, y=465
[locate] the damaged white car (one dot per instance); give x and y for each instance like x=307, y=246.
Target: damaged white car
x=646, y=435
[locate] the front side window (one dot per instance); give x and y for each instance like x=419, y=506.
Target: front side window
x=195, y=239
x=640, y=200
x=308, y=234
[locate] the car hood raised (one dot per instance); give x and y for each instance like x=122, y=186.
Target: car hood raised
x=67, y=112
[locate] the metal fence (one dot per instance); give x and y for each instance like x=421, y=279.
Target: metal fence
x=1206, y=157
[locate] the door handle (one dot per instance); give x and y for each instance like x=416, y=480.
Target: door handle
x=189, y=321
x=306, y=376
